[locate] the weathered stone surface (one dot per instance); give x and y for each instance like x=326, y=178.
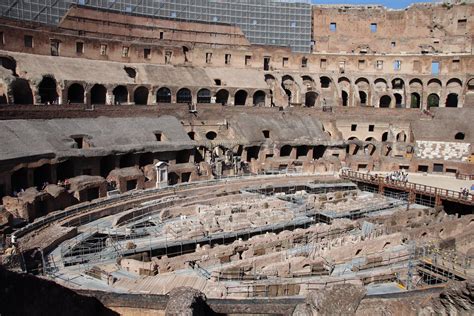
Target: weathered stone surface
x=456, y=299
x=336, y=300
x=186, y=301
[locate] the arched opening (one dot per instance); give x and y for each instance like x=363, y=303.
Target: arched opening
x=252, y=153
x=285, y=151
x=385, y=136
x=369, y=149
x=310, y=99
x=352, y=149
x=288, y=94
x=363, y=98
x=401, y=137
x=415, y=101
x=127, y=160
x=21, y=91
x=325, y=82
x=98, y=94
x=192, y=135
x=259, y=98
x=345, y=98
x=140, y=96
x=19, y=180
x=185, y=54
x=8, y=63
x=163, y=95
x=302, y=151
x=75, y=93
x=433, y=100
x=204, y=96
x=222, y=97
x=398, y=100
x=318, y=151
x=184, y=96
x=470, y=85
x=240, y=97
x=47, y=91
x=120, y=95
x=459, y=136
x=41, y=176
x=385, y=101
x=452, y=100
x=398, y=83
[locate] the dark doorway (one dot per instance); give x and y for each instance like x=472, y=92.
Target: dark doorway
x=92, y=194
x=415, y=101
x=385, y=101
x=131, y=185
x=204, y=96
x=107, y=164
x=65, y=170
x=41, y=176
x=285, y=151
x=163, y=95
x=363, y=98
x=252, y=152
x=75, y=93
x=345, y=98
x=452, y=100
x=127, y=161
x=259, y=98
x=310, y=99
x=98, y=94
x=120, y=95
x=19, y=179
x=173, y=178
x=222, y=97
x=21, y=91
x=184, y=96
x=301, y=151
x=398, y=100
x=318, y=151
x=47, y=91
x=145, y=159
x=140, y=96
x=241, y=97
x=185, y=176
x=433, y=100
x=183, y=156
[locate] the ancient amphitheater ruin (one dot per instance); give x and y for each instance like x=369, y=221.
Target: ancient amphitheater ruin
x=236, y=157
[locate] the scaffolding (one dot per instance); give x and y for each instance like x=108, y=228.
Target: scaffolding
x=264, y=22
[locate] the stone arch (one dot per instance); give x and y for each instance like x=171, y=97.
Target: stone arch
x=415, y=101
x=433, y=100
x=240, y=97
x=184, y=96
x=470, y=85
x=120, y=94
x=369, y=149
x=47, y=90
x=363, y=87
x=381, y=84
x=98, y=94
x=416, y=83
x=21, y=91
x=163, y=95
x=140, y=95
x=291, y=88
x=454, y=83
x=325, y=82
x=385, y=101
x=398, y=84
x=452, y=100
x=75, y=93
x=259, y=98
x=385, y=136
x=434, y=83
x=398, y=100
x=370, y=139
x=222, y=96
x=204, y=96
x=310, y=99
x=401, y=137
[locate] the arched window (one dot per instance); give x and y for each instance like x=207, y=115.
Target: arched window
x=345, y=98
x=240, y=97
x=140, y=96
x=415, y=100
x=398, y=100
x=385, y=136
x=47, y=90
x=163, y=95
x=459, y=136
x=98, y=94
x=75, y=93
x=363, y=98
x=325, y=82
x=204, y=96
x=184, y=96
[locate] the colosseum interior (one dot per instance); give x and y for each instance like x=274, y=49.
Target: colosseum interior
x=171, y=166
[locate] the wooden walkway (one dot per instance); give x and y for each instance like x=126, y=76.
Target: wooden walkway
x=412, y=188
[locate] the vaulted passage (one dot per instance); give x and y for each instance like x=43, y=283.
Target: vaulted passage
x=184, y=96
x=222, y=97
x=75, y=93
x=204, y=96
x=21, y=92
x=452, y=100
x=241, y=97
x=259, y=98
x=163, y=95
x=310, y=99
x=385, y=101
x=98, y=94
x=140, y=96
x=120, y=95
x=47, y=91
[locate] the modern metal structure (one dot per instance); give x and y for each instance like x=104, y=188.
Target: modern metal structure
x=265, y=22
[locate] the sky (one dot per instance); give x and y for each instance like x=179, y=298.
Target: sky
x=394, y=4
